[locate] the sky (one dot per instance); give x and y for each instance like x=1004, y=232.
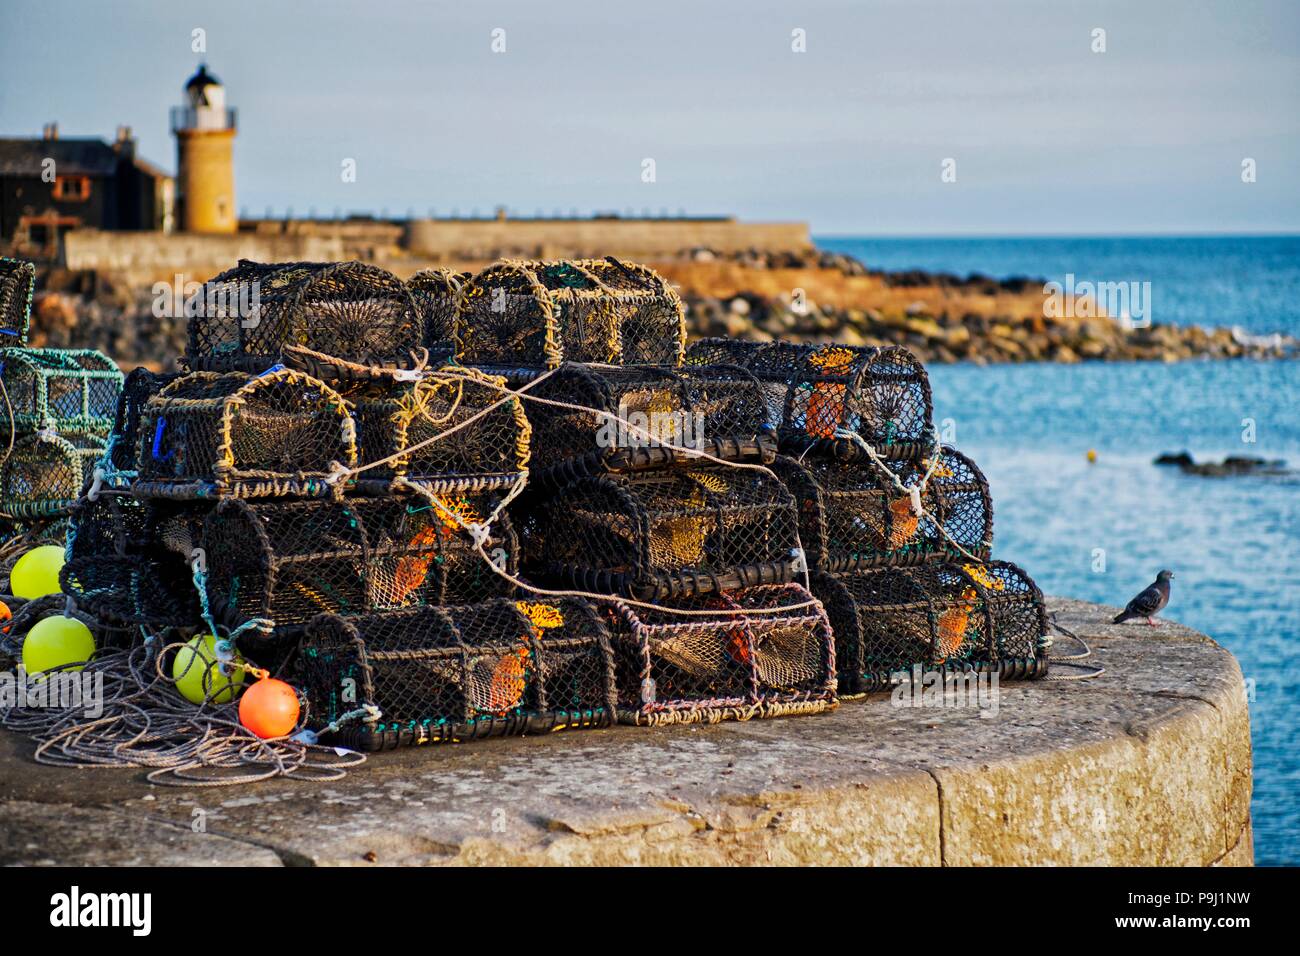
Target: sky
x=851, y=134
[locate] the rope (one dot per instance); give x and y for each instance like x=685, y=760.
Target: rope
x=913, y=491
x=146, y=723
x=1089, y=670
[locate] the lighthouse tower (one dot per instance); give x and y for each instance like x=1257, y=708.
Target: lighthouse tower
x=205, y=165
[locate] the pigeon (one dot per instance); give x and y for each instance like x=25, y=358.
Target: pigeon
x=1150, y=602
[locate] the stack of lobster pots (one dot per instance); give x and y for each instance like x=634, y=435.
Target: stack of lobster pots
x=56, y=414
x=284, y=485
x=467, y=506
x=648, y=492
x=897, y=527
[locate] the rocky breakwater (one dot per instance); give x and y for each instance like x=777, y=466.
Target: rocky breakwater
x=136, y=326
x=941, y=317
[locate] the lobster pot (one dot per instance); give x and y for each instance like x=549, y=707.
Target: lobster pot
x=539, y=314
x=766, y=652
x=45, y=474
x=281, y=563
x=244, y=318
x=939, y=617
x=637, y=418
x=120, y=464
x=228, y=435
x=818, y=392
x=17, y=284
x=128, y=561
x=441, y=674
x=852, y=515
x=658, y=534
x=485, y=434
x=435, y=292
x=63, y=390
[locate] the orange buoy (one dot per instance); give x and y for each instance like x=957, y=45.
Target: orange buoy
x=269, y=708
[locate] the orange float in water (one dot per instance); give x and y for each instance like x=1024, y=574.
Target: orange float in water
x=269, y=708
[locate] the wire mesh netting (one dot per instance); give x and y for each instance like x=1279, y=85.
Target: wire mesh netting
x=853, y=515
x=284, y=562
x=209, y=434
x=629, y=419
x=45, y=473
x=128, y=561
x=735, y=664
x=817, y=391
x=244, y=318
x=64, y=390
x=17, y=285
x=456, y=429
x=656, y=534
x=949, y=617
x=539, y=314
x=435, y=292
x=442, y=674
x=120, y=463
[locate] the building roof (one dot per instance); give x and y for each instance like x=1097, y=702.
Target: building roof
x=72, y=157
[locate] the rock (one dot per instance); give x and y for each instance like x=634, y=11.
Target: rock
x=926, y=328
x=739, y=306
x=1232, y=465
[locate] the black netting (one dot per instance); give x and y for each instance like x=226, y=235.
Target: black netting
x=17, y=285
x=128, y=561
x=659, y=533
x=485, y=443
x=678, y=668
x=540, y=314
x=440, y=674
x=121, y=466
x=45, y=473
x=718, y=410
x=435, y=292
x=286, y=561
x=210, y=434
x=941, y=616
x=881, y=394
x=245, y=317
x=852, y=515
x=64, y=390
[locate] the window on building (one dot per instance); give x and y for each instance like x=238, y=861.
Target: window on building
x=72, y=188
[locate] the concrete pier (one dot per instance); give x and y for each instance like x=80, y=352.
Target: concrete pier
x=1148, y=764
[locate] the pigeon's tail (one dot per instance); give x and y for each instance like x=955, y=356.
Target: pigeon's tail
x=1121, y=617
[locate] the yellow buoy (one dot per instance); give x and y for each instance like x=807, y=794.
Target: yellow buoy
x=198, y=675
x=57, y=641
x=36, y=573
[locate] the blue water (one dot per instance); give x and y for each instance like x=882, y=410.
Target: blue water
x=1233, y=543
x=1251, y=281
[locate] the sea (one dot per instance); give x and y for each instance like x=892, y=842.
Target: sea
x=1100, y=531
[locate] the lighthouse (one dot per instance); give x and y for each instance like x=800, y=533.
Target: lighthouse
x=205, y=162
